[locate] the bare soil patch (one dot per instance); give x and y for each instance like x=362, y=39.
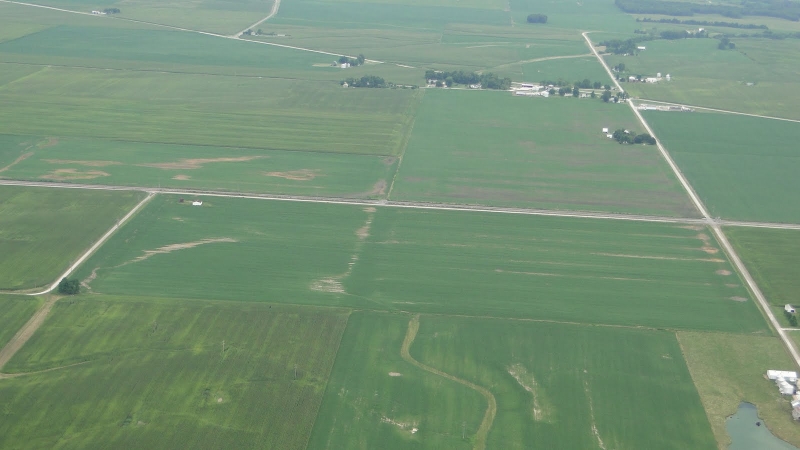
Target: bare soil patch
x=25, y=333
x=19, y=159
x=73, y=174
x=181, y=177
x=738, y=299
x=175, y=247
x=395, y=374
x=378, y=188
x=49, y=142
x=389, y=160
x=197, y=163
x=331, y=285
x=84, y=163
x=295, y=175
x=723, y=272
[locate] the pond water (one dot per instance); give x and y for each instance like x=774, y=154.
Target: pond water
x=746, y=435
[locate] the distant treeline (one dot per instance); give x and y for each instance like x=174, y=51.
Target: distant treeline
x=585, y=84
x=367, y=81
x=623, y=46
x=112, y=11
x=537, y=18
x=706, y=23
x=486, y=80
x=629, y=137
x=764, y=35
x=783, y=9
x=357, y=61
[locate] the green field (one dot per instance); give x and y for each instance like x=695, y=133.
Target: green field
x=493, y=148
x=729, y=369
x=705, y=76
x=152, y=374
x=42, y=231
x=568, y=70
x=17, y=309
x=772, y=257
x=375, y=398
x=742, y=167
x=426, y=261
x=568, y=386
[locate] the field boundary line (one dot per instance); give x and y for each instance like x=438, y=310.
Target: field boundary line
x=406, y=140
x=275, y=5
x=715, y=227
x=97, y=244
x=409, y=204
x=23, y=334
x=718, y=110
x=491, y=409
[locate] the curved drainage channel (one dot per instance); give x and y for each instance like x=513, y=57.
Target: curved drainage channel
x=746, y=435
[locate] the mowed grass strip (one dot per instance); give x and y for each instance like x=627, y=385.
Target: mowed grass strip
x=154, y=375
x=568, y=386
x=492, y=148
x=730, y=368
x=565, y=269
x=375, y=399
x=121, y=163
x=743, y=168
x=17, y=309
x=208, y=111
x=42, y=231
x=773, y=257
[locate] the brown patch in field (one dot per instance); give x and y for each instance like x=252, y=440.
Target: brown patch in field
x=328, y=285
x=369, y=209
x=703, y=237
x=709, y=249
x=670, y=258
x=72, y=174
x=49, y=142
x=731, y=285
x=181, y=177
x=738, y=299
x=389, y=160
x=84, y=163
x=378, y=188
x=179, y=219
x=175, y=247
x=219, y=400
x=692, y=227
x=19, y=159
x=89, y=279
x=395, y=374
x=723, y=272
x=543, y=274
x=197, y=163
x=295, y=175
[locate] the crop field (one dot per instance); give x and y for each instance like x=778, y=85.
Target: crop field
x=42, y=231
x=136, y=372
x=144, y=164
x=568, y=70
x=728, y=369
x=375, y=398
x=772, y=257
x=533, y=152
x=742, y=167
x=570, y=386
x=17, y=309
x=426, y=261
x=705, y=76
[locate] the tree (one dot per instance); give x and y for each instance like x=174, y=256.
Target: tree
x=537, y=18
x=259, y=32
x=439, y=83
x=607, y=87
x=576, y=92
x=594, y=95
x=563, y=91
x=597, y=85
x=449, y=81
x=69, y=287
x=644, y=139
x=552, y=91
x=606, y=96
x=361, y=59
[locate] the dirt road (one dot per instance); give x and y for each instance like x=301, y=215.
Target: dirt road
x=25, y=333
x=275, y=5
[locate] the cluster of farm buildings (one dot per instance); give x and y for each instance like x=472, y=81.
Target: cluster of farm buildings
x=787, y=385
x=671, y=108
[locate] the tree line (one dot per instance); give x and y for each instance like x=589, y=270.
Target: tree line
x=537, y=18
x=624, y=46
x=629, y=137
x=706, y=23
x=367, y=81
x=782, y=9
x=486, y=80
x=69, y=286
x=357, y=61
x=112, y=11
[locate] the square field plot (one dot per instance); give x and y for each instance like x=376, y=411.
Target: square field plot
x=743, y=168
x=146, y=373
x=385, y=258
x=507, y=384
x=491, y=148
x=42, y=231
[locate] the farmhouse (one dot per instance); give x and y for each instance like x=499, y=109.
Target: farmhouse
x=641, y=47
x=197, y=203
x=605, y=130
x=789, y=309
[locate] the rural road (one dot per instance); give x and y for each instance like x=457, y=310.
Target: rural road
x=717, y=229
x=645, y=100
x=275, y=5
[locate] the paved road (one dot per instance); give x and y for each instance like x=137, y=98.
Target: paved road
x=275, y=5
x=717, y=229
x=645, y=100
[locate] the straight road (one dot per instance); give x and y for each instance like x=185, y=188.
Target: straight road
x=717, y=229
x=645, y=100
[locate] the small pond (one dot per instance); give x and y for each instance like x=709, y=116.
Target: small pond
x=746, y=435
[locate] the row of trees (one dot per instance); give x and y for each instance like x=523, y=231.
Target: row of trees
x=705, y=23
x=629, y=137
x=486, y=80
x=585, y=84
x=537, y=18
x=112, y=11
x=626, y=46
x=682, y=34
x=357, y=61
x=726, y=44
x=367, y=81
x=784, y=9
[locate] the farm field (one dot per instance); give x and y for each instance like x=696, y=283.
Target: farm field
x=17, y=309
x=151, y=373
x=207, y=111
x=570, y=386
x=425, y=261
x=375, y=398
x=728, y=369
x=705, y=76
x=742, y=167
x=568, y=70
x=42, y=231
x=772, y=257
x=117, y=163
x=492, y=148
